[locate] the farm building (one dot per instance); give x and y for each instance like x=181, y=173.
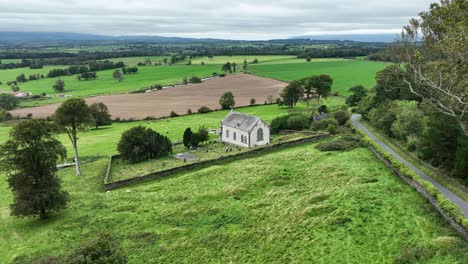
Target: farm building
x=244, y=130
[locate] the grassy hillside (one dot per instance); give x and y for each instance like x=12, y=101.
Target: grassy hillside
x=345, y=73
x=294, y=205
x=103, y=141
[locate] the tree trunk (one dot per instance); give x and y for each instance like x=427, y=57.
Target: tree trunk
x=77, y=160
x=318, y=102
x=307, y=100
x=43, y=214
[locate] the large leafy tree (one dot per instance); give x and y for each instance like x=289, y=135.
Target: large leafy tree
x=318, y=85
x=59, y=85
x=100, y=114
x=139, y=143
x=227, y=101
x=73, y=115
x=434, y=55
x=359, y=92
x=29, y=158
x=291, y=94
x=8, y=101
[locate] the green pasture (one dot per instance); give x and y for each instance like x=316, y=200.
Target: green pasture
x=103, y=141
x=11, y=74
x=295, y=205
x=345, y=72
x=106, y=84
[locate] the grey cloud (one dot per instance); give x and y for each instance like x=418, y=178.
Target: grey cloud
x=242, y=19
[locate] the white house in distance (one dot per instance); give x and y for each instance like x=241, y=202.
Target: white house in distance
x=244, y=130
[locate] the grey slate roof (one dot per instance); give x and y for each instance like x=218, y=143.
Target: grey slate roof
x=240, y=121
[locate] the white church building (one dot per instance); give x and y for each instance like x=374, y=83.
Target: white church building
x=244, y=130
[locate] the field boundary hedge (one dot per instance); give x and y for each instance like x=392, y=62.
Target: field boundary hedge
x=108, y=186
x=449, y=211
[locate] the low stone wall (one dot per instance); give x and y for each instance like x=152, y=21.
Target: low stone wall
x=424, y=191
x=118, y=184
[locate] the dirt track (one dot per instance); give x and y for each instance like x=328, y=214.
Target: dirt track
x=178, y=99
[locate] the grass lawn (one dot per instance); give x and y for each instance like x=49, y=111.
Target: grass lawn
x=293, y=205
x=122, y=169
x=103, y=141
x=440, y=176
x=345, y=73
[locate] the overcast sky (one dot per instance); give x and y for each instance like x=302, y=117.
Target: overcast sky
x=241, y=19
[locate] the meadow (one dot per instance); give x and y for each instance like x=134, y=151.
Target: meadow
x=103, y=141
x=293, y=205
x=346, y=73
x=106, y=84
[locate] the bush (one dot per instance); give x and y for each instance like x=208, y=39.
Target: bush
x=5, y=115
x=297, y=122
x=140, y=143
x=103, y=249
x=322, y=109
x=323, y=125
x=189, y=111
x=252, y=101
x=342, y=116
x=204, y=110
x=279, y=123
x=195, y=79
x=412, y=143
x=173, y=114
x=339, y=144
x=331, y=129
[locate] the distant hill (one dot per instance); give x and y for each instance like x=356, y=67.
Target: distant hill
x=63, y=36
x=352, y=37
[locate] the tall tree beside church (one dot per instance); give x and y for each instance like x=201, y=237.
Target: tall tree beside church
x=29, y=158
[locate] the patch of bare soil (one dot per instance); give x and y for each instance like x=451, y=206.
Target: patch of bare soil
x=178, y=99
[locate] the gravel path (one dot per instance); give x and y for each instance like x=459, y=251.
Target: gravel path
x=447, y=193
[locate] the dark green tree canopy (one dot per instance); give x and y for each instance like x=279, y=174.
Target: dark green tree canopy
x=139, y=143
x=30, y=157
x=227, y=101
x=100, y=114
x=8, y=101
x=292, y=93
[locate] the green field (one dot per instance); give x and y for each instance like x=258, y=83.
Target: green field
x=106, y=84
x=345, y=73
x=294, y=205
x=103, y=141
x=11, y=74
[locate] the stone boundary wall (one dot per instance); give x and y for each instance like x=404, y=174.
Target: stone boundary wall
x=457, y=226
x=156, y=175
x=456, y=220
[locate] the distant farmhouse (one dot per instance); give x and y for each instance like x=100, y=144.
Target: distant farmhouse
x=21, y=94
x=244, y=130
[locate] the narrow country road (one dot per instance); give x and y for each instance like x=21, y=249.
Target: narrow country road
x=448, y=194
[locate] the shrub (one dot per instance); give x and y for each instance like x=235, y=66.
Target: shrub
x=338, y=145
x=342, y=116
x=412, y=143
x=227, y=101
x=8, y=101
x=103, y=249
x=173, y=114
x=297, y=122
x=331, y=129
x=195, y=79
x=322, y=109
x=252, y=101
x=140, y=143
x=323, y=125
x=279, y=123
x=204, y=110
x=5, y=115
x=189, y=111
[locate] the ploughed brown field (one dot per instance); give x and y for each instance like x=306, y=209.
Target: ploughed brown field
x=178, y=99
